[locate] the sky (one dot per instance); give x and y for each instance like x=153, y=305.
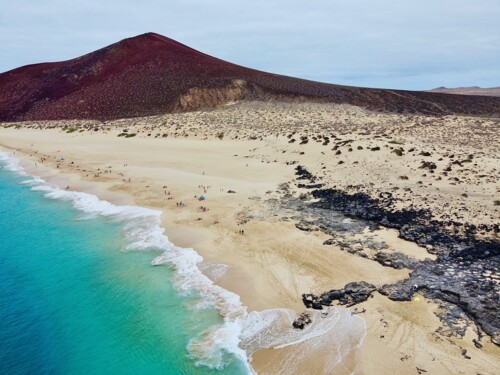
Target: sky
x=400, y=44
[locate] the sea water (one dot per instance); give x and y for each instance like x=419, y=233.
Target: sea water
x=78, y=293
x=88, y=287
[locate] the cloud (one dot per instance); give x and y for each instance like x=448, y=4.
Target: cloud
x=400, y=44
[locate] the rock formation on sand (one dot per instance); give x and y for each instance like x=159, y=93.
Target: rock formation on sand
x=150, y=74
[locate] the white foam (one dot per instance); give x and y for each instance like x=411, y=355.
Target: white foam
x=143, y=232
x=11, y=163
x=241, y=333
x=214, y=271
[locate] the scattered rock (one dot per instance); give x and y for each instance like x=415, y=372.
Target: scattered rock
x=477, y=344
x=464, y=354
x=304, y=174
x=310, y=186
x=351, y=294
x=394, y=260
x=306, y=227
x=311, y=301
x=458, y=278
x=428, y=165
x=329, y=241
x=303, y=320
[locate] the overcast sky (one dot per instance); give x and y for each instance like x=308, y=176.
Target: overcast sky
x=406, y=44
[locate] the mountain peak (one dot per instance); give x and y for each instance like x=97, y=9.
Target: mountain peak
x=150, y=37
x=151, y=74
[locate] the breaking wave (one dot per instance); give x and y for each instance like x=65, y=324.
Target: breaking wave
x=241, y=334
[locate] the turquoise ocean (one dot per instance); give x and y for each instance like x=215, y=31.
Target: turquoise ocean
x=79, y=295
x=88, y=287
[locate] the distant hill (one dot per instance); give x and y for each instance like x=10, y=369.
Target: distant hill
x=150, y=74
x=472, y=90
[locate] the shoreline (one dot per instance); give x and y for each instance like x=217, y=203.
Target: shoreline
x=290, y=273
x=142, y=232
x=227, y=303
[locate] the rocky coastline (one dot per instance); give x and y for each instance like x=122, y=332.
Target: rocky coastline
x=464, y=278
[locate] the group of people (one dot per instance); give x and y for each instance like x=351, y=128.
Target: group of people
x=205, y=188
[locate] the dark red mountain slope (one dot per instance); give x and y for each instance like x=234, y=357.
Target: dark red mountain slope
x=151, y=74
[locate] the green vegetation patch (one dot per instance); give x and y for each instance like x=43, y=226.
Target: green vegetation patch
x=127, y=135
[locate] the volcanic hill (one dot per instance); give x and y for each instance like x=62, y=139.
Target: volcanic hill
x=150, y=74
x=473, y=90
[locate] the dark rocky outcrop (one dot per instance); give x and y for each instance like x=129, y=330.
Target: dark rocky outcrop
x=310, y=186
x=394, y=260
x=303, y=320
x=312, y=301
x=428, y=165
x=465, y=277
x=303, y=174
x=463, y=273
x=351, y=294
x=306, y=227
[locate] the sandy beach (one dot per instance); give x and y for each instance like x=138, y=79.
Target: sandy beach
x=242, y=158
